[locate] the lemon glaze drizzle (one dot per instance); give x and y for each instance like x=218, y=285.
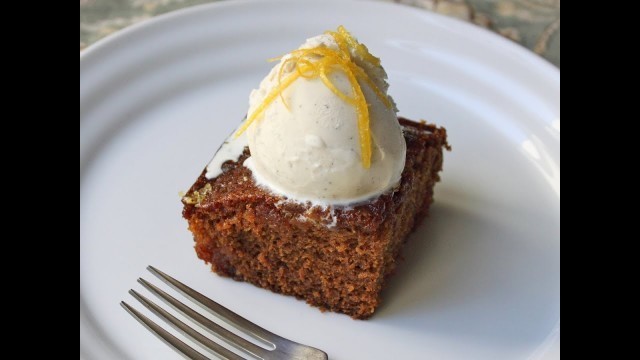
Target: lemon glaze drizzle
x=325, y=62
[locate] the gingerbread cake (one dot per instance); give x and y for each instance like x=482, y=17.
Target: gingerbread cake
x=336, y=259
x=315, y=192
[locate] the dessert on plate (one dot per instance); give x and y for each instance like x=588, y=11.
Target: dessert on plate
x=316, y=191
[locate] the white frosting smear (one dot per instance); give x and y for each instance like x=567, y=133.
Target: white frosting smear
x=231, y=149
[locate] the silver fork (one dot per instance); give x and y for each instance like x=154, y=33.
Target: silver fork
x=280, y=348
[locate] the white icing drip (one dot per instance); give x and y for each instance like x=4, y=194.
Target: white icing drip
x=231, y=149
x=334, y=218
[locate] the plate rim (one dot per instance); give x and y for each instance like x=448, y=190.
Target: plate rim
x=95, y=48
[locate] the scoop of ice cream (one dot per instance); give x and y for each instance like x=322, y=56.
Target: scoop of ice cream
x=307, y=143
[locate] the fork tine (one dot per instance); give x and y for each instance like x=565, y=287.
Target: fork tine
x=184, y=328
x=226, y=335
x=218, y=310
x=164, y=335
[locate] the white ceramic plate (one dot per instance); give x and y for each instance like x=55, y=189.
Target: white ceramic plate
x=481, y=278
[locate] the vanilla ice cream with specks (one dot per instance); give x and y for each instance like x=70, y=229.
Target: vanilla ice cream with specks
x=321, y=126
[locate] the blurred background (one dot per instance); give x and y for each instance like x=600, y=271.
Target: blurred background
x=533, y=23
